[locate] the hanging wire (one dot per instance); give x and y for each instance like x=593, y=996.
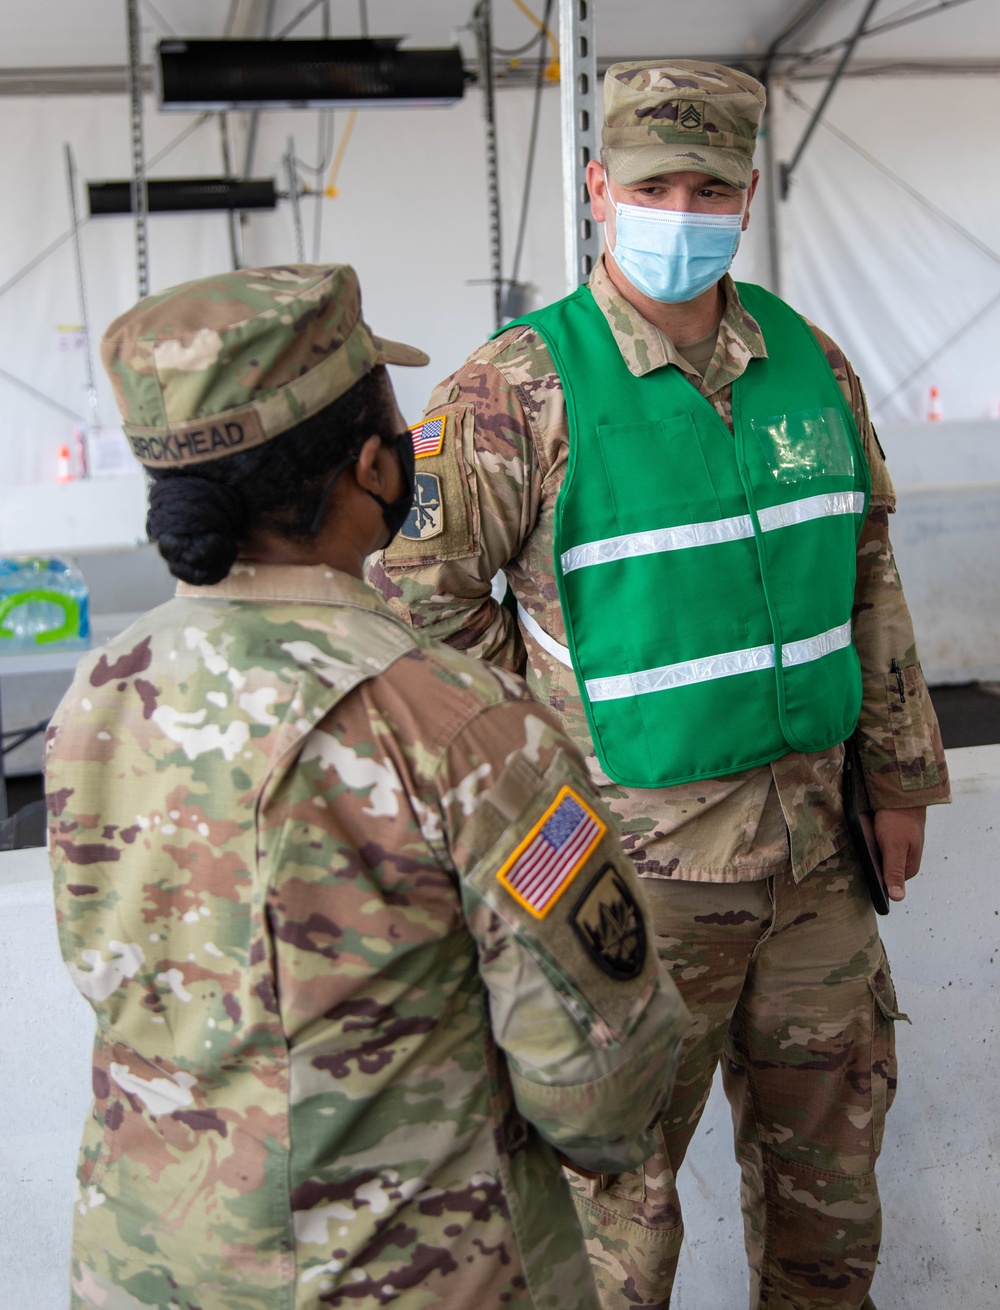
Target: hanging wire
x=941, y=349
x=912, y=191
x=543, y=26
x=157, y=17
x=810, y=10
x=38, y=259
x=938, y=213
x=191, y=128
x=325, y=144
x=537, y=39
x=299, y=18
x=330, y=190
x=40, y=395
x=530, y=165
x=900, y=19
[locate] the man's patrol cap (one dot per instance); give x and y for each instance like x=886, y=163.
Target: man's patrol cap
x=671, y=117
x=213, y=367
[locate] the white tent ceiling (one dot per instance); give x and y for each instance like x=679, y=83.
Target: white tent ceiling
x=65, y=33
x=889, y=237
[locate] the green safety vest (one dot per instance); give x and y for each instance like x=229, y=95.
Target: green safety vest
x=707, y=582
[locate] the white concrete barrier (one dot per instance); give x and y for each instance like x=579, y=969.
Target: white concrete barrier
x=940, y=1168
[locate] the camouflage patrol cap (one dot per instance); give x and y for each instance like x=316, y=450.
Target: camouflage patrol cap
x=670, y=117
x=213, y=367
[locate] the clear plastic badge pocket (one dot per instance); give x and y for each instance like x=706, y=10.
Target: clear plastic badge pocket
x=808, y=444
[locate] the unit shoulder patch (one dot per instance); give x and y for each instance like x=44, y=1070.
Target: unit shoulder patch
x=608, y=921
x=444, y=522
x=428, y=436
x=547, y=860
x=426, y=518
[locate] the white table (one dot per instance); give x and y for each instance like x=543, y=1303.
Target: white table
x=102, y=628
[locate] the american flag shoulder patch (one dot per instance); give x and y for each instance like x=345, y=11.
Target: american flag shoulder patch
x=428, y=437
x=552, y=854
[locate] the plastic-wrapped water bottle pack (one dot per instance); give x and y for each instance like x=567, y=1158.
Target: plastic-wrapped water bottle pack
x=43, y=605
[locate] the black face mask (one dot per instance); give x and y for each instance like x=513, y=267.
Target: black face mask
x=394, y=512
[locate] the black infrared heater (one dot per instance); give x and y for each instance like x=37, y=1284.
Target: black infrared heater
x=183, y=195
x=219, y=75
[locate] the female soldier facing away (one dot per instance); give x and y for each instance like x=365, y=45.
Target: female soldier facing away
x=361, y=944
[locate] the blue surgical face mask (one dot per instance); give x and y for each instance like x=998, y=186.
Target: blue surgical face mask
x=673, y=257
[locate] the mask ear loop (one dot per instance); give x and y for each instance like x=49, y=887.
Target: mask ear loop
x=324, y=501
x=611, y=202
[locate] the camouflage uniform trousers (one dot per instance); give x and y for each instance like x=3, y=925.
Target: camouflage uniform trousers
x=790, y=987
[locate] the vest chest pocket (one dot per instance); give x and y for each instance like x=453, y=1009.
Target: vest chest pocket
x=658, y=473
x=805, y=445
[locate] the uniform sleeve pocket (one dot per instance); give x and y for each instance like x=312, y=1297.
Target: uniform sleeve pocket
x=911, y=732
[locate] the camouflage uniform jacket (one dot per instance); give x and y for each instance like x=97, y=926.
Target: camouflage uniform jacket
x=334, y=1051
x=500, y=470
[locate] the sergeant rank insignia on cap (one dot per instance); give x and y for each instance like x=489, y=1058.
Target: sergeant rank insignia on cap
x=426, y=518
x=552, y=854
x=428, y=437
x=609, y=923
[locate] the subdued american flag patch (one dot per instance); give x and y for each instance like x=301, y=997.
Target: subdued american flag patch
x=428, y=437
x=553, y=853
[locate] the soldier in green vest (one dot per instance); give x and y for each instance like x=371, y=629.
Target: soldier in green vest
x=365, y=954
x=677, y=484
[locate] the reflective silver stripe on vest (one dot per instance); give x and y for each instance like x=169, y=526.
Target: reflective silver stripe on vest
x=814, y=648
x=560, y=653
x=683, y=537
x=711, y=533
x=751, y=660
x=812, y=507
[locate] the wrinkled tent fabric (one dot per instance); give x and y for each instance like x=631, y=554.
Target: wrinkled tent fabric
x=892, y=282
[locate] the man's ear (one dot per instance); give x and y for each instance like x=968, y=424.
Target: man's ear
x=597, y=185
x=753, y=187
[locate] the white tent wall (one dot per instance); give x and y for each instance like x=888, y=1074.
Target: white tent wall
x=891, y=281
x=411, y=216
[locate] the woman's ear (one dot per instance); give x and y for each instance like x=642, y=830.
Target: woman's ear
x=368, y=471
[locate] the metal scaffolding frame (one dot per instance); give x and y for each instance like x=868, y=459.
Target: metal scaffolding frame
x=140, y=198
x=786, y=170
x=577, y=92
x=81, y=290
x=482, y=20
x=293, y=197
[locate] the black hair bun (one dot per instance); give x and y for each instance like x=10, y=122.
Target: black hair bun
x=197, y=525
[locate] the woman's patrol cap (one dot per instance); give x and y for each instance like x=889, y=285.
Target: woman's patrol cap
x=213, y=367
x=680, y=115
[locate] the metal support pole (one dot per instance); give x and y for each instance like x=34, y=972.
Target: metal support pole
x=81, y=290
x=483, y=21
x=253, y=119
x=227, y=169
x=293, y=196
x=771, y=194
x=252, y=126
x=140, y=197
x=578, y=89
x=788, y=169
